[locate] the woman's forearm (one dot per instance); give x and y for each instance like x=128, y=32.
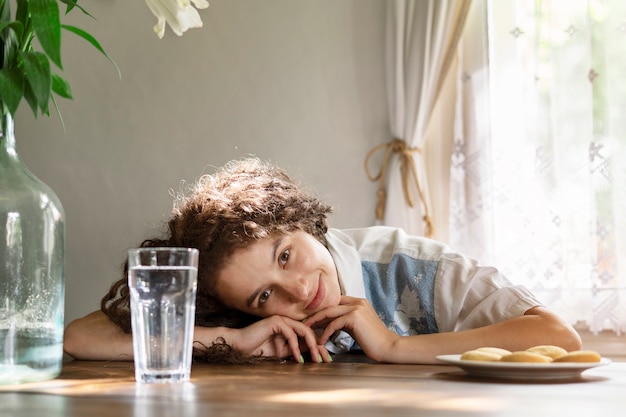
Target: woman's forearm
x=537, y=327
x=95, y=337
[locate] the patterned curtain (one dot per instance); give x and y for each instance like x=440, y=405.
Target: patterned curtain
x=539, y=162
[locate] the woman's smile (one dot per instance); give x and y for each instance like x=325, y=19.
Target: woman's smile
x=318, y=297
x=290, y=274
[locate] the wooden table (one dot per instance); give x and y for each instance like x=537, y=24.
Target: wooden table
x=343, y=388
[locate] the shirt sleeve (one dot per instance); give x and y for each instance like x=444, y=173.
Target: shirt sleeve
x=468, y=296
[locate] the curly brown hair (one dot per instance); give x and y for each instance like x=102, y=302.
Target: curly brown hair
x=241, y=202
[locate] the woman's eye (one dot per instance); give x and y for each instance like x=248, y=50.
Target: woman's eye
x=265, y=295
x=284, y=257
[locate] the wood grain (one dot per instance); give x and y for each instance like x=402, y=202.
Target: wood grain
x=347, y=387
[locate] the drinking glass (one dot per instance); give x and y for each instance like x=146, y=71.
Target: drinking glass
x=162, y=283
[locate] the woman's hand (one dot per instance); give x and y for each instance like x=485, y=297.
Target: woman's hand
x=357, y=317
x=280, y=337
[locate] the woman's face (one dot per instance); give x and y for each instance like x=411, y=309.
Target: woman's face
x=292, y=275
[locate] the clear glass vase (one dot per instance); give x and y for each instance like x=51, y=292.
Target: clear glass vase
x=32, y=254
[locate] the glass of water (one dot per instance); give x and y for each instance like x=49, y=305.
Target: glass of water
x=162, y=283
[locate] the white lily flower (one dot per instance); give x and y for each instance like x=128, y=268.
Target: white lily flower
x=179, y=14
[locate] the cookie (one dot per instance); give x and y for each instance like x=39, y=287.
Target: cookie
x=525, y=356
x=478, y=355
x=548, y=350
x=580, y=356
x=497, y=351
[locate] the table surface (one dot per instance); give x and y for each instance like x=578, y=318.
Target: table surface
x=343, y=388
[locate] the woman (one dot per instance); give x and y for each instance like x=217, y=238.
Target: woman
x=270, y=271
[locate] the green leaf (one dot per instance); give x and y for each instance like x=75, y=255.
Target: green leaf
x=17, y=27
x=30, y=99
x=61, y=87
x=12, y=88
x=9, y=44
x=47, y=24
x=54, y=102
x=94, y=42
x=5, y=10
x=74, y=3
x=38, y=76
x=46, y=110
x=22, y=13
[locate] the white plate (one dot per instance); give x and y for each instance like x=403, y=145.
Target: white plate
x=517, y=370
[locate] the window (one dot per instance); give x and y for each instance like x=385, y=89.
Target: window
x=539, y=162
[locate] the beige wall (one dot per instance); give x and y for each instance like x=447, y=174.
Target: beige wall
x=299, y=82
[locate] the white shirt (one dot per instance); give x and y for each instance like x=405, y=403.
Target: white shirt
x=418, y=285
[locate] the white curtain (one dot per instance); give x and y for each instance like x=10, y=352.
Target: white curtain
x=538, y=168
x=421, y=42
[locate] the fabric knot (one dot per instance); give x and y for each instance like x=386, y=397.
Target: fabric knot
x=407, y=171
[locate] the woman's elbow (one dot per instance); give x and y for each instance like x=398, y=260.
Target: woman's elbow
x=560, y=332
x=570, y=339
x=72, y=341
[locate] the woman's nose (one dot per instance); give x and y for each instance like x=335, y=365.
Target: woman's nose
x=297, y=290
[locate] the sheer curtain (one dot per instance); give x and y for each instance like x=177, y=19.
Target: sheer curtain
x=538, y=177
x=421, y=41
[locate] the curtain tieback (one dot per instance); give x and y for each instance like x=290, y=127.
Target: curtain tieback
x=407, y=171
